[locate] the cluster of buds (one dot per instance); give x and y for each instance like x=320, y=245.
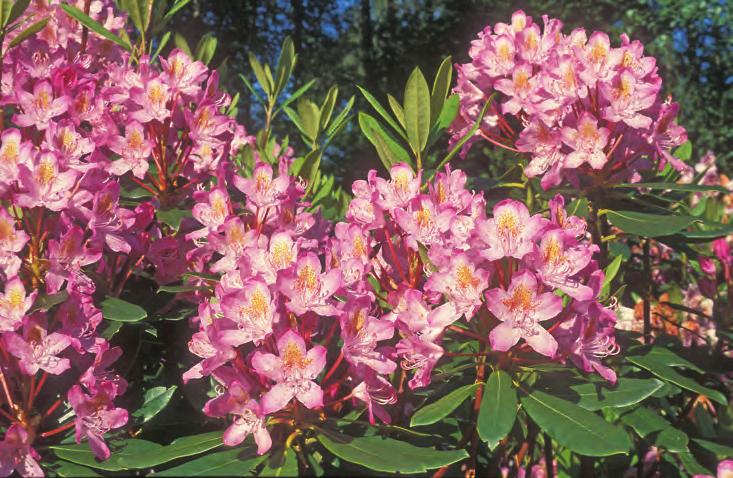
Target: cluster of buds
x=580, y=108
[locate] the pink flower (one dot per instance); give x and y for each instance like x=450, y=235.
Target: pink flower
x=511, y=232
x=361, y=334
x=67, y=143
x=13, y=153
x=237, y=401
x=558, y=260
x=462, y=282
x=252, y=310
x=17, y=455
x=587, y=141
x=67, y=256
x=40, y=107
x=95, y=416
x=375, y=392
x=212, y=208
x=206, y=123
x=182, y=74
x=153, y=99
x=37, y=349
x=14, y=304
x=423, y=222
x=12, y=242
x=293, y=370
x=521, y=308
x=627, y=96
x=45, y=184
x=521, y=89
x=262, y=190
x=134, y=150
x=310, y=289
x=403, y=187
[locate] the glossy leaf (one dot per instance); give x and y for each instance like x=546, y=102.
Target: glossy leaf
x=442, y=407
x=498, y=409
x=595, y=396
x=387, y=455
x=156, y=400
x=673, y=187
x=648, y=225
x=388, y=149
x=441, y=88
x=234, y=462
x=417, y=111
x=122, y=311
x=574, y=427
x=382, y=112
x=281, y=463
x=609, y=274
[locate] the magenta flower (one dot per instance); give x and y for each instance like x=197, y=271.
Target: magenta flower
x=511, y=232
x=68, y=144
x=310, y=289
x=108, y=220
x=67, y=256
x=558, y=260
x=206, y=124
x=252, y=309
x=12, y=242
x=14, y=304
x=39, y=107
x=13, y=152
x=262, y=190
x=462, y=282
x=182, y=74
x=574, y=225
x=375, y=392
x=403, y=187
x=95, y=416
x=212, y=208
x=545, y=146
x=17, y=455
x=37, y=349
x=293, y=370
x=45, y=184
x=361, y=334
x=237, y=401
x=521, y=89
x=587, y=141
x=424, y=222
x=153, y=99
x=627, y=96
x=134, y=150
x=521, y=308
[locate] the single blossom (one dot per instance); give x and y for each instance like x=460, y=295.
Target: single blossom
x=587, y=141
x=511, y=232
x=17, y=455
x=310, y=289
x=293, y=372
x=14, y=303
x=134, y=150
x=37, y=349
x=39, y=107
x=252, y=310
x=95, y=416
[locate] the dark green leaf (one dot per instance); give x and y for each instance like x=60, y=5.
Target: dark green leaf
x=175, y=8
x=387, y=455
x=156, y=399
x=574, y=427
x=382, y=112
x=94, y=26
x=45, y=301
x=442, y=407
x=595, y=396
x=441, y=88
x=673, y=187
x=718, y=449
x=18, y=8
x=648, y=225
x=672, y=439
x=498, y=409
x=122, y=311
x=173, y=217
x=31, y=30
x=72, y=470
x=281, y=463
x=417, y=111
x=260, y=74
x=457, y=147
x=609, y=274
x=234, y=462
x=388, y=149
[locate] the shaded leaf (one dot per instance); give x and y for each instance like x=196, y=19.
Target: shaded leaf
x=93, y=25
x=122, y=311
x=417, y=111
x=156, y=400
x=498, y=409
x=442, y=407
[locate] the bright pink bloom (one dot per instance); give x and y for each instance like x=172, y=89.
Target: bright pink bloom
x=14, y=304
x=310, y=289
x=134, y=150
x=402, y=188
x=462, y=282
x=361, y=333
x=423, y=222
x=252, y=310
x=153, y=99
x=293, y=370
x=95, y=416
x=521, y=308
x=182, y=74
x=627, y=96
x=587, y=141
x=13, y=153
x=12, y=242
x=40, y=106
x=45, y=184
x=17, y=455
x=557, y=261
x=262, y=190
x=37, y=349
x=511, y=232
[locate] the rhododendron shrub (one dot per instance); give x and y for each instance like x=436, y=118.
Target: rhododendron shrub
x=178, y=297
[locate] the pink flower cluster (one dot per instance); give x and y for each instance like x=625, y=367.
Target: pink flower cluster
x=574, y=103
x=88, y=122
x=403, y=268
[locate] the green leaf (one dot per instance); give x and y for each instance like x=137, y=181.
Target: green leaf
x=663, y=356
x=206, y=48
x=387, y=455
x=718, y=449
x=309, y=167
x=382, y=112
x=574, y=427
x=281, y=463
x=396, y=109
x=609, y=274
x=673, y=187
x=182, y=44
x=297, y=94
x=91, y=24
x=661, y=370
x=122, y=311
x=498, y=409
x=262, y=77
x=310, y=119
x=156, y=400
x=137, y=11
x=673, y=440
x=457, y=147
x=417, y=111
x=644, y=421
x=175, y=8
x=18, y=8
x=684, y=152
x=234, y=462
x=646, y=224
x=595, y=396
x=31, y=30
x=389, y=150
x=161, y=44
x=72, y=470
x=441, y=88
x=173, y=217
x=285, y=65
x=326, y=109
x=442, y=407
x=46, y=301
x=339, y=121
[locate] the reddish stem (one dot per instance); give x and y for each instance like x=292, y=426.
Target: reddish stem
x=388, y=237
x=53, y=407
x=58, y=430
x=334, y=367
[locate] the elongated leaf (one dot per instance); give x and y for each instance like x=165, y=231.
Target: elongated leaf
x=234, y=462
x=18, y=8
x=664, y=356
x=388, y=149
x=137, y=11
x=281, y=463
x=161, y=44
x=710, y=233
x=260, y=74
x=718, y=449
x=387, y=455
x=396, y=109
x=326, y=109
x=122, y=311
x=46, y=301
x=340, y=120
x=417, y=111
x=206, y=48
x=94, y=26
x=498, y=409
x=644, y=421
x=673, y=187
x=285, y=64
x=574, y=427
x=182, y=44
x=442, y=407
x=671, y=375
x=297, y=94
x=72, y=470
x=155, y=401
x=684, y=152
x=672, y=439
x=594, y=396
x=173, y=217
x=441, y=88
x=609, y=274
x=30, y=31
x=382, y=112
x=476, y=125
x=648, y=225
x=175, y=8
